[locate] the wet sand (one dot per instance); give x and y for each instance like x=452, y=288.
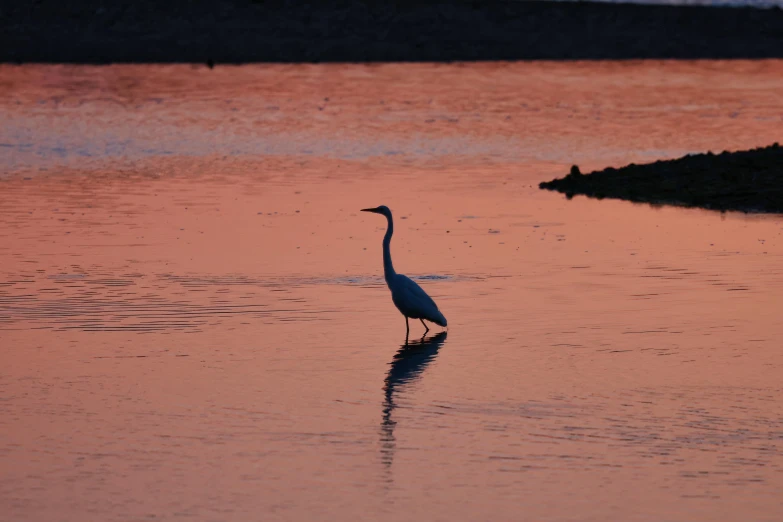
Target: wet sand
x=244, y=31
x=194, y=323
x=747, y=181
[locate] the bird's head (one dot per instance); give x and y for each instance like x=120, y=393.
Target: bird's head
x=383, y=210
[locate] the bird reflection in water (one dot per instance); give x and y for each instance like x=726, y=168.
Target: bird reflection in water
x=407, y=366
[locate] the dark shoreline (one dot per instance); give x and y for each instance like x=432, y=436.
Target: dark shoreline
x=746, y=181
x=275, y=31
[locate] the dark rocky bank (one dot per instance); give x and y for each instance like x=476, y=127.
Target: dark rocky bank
x=747, y=181
x=242, y=31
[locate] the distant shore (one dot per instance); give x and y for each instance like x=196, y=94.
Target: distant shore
x=747, y=181
x=243, y=31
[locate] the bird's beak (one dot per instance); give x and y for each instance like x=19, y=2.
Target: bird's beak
x=370, y=210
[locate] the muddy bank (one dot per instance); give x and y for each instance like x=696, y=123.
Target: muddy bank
x=240, y=31
x=748, y=181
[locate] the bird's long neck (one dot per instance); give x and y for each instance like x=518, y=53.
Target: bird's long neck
x=388, y=268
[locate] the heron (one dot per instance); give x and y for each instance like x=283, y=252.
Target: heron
x=409, y=298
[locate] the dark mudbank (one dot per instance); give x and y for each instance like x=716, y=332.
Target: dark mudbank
x=216, y=32
x=748, y=181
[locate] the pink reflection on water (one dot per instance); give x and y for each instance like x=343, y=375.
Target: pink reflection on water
x=208, y=335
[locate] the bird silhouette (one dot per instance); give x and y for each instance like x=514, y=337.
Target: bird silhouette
x=409, y=298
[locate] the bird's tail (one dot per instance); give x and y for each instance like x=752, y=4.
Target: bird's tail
x=440, y=319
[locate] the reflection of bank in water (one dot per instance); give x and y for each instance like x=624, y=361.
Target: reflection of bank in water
x=407, y=366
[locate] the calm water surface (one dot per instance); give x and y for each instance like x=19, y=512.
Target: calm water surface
x=194, y=324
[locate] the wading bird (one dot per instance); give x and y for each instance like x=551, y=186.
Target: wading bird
x=408, y=297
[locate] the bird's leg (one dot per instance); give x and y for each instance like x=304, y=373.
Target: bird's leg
x=407, y=329
x=426, y=329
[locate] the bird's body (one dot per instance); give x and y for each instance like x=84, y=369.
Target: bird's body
x=412, y=301
x=409, y=298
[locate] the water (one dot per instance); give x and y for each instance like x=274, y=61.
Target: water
x=194, y=324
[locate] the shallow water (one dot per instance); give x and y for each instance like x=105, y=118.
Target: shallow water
x=194, y=322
